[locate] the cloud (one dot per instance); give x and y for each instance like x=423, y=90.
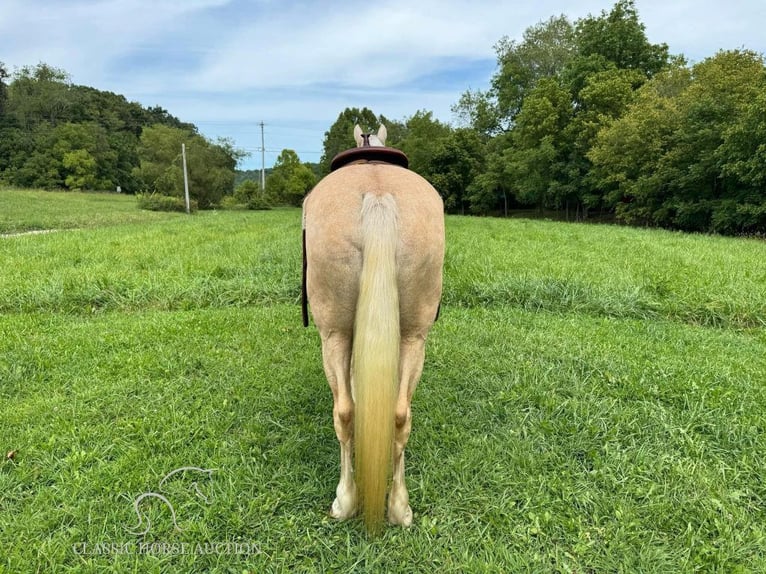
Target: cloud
x=227, y=64
x=85, y=36
x=374, y=44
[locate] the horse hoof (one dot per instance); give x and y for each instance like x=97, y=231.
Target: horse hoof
x=341, y=511
x=400, y=517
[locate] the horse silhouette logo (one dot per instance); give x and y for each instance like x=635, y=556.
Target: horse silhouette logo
x=164, y=499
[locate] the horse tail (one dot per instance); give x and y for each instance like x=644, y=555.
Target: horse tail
x=375, y=356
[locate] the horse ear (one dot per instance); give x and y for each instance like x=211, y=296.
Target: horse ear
x=358, y=136
x=382, y=134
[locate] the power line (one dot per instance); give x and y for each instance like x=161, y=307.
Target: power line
x=275, y=150
x=263, y=159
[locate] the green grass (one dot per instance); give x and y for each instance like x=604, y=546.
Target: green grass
x=23, y=210
x=592, y=401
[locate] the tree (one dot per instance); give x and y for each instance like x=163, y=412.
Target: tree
x=37, y=158
x=80, y=166
x=603, y=98
x=454, y=166
x=3, y=91
x=723, y=88
x=423, y=136
x=526, y=88
x=742, y=153
x=37, y=94
x=246, y=191
x=160, y=168
x=553, y=91
x=687, y=153
x=629, y=155
x=43, y=117
x=492, y=185
x=536, y=162
x=210, y=166
x=478, y=110
x=84, y=155
x=290, y=179
x=619, y=37
x=544, y=52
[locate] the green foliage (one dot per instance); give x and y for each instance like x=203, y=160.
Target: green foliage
x=551, y=95
x=687, y=152
x=160, y=170
x=290, y=180
x=730, y=216
x=626, y=154
x=81, y=168
x=249, y=194
x=3, y=92
x=158, y=202
x=246, y=191
x=210, y=166
x=456, y=163
x=477, y=109
x=536, y=162
x=620, y=38
x=211, y=169
x=260, y=202
x=47, y=122
x=65, y=155
x=742, y=153
x=544, y=52
x=39, y=94
x=423, y=136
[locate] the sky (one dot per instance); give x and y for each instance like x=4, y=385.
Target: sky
x=228, y=65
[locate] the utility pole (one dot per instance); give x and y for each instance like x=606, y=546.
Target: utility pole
x=263, y=160
x=186, y=179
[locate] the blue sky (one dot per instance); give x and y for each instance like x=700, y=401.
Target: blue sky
x=227, y=65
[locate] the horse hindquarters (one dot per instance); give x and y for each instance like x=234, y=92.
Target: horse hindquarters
x=391, y=220
x=375, y=358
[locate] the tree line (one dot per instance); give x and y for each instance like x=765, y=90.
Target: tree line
x=589, y=117
x=56, y=135
x=585, y=117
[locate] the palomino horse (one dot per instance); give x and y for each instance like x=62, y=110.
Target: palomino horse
x=374, y=256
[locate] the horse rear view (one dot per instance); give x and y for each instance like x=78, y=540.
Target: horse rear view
x=374, y=256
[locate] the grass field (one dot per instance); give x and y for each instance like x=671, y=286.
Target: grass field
x=593, y=400
x=32, y=210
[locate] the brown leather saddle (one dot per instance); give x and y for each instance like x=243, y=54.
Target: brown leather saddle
x=370, y=153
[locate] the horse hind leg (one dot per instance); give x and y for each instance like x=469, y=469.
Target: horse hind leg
x=412, y=355
x=336, y=356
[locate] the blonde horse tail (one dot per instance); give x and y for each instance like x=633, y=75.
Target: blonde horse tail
x=375, y=358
